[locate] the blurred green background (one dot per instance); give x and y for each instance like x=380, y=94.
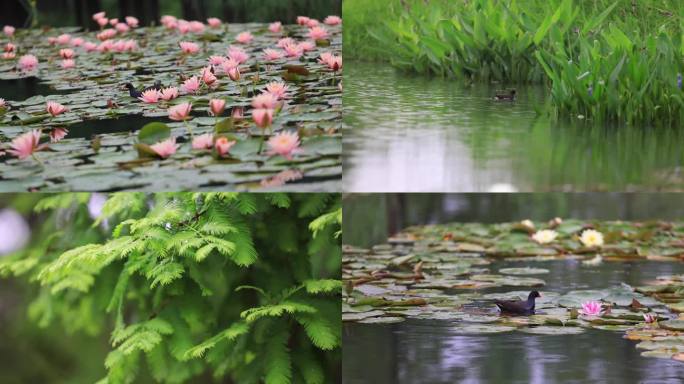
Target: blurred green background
x=57, y=13
x=370, y=218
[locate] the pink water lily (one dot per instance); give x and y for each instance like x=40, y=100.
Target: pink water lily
x=2, y=103
x=55, y=108
x=77, y=41
x=58, y=134
x=307, y=46
x=26, y=144
x=238, y=54
x=275, y=27
x=98, y=16
x=122, y=27
x=244, y=37
x=196, y=26
x=333, y=20
x=8, y=55
x=89, y=46
x=230, y=68
x=318, y=33
x=216, y=106
x=214, y=22
x=102, y=21
x=284, y=144
x=333, y=62
x=9, y=47
x=205, y=141
x=28, y=63
x=191, y=85
x=165, y=148
x=107, y=34
x=8, y=30
x=63, y=39
x=277, y=89
x=207, y=77
x=132, y=21
x=262, y=117
x=591, y=308
x=650, y=317
x=265, y=100
x=189, y=47
x=302, y=20
x=238, y=113
x=312, y=23
x=217, y=60
x=180, y=112
x=285, y=41
x=293, y=50
x=66, y=53
x=223, y=146
x=168, y=21
x=113, y=21
x=272, y=54
x=169, y=93
x=150, y=96
x=67, y=63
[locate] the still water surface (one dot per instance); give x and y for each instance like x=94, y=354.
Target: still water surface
x=418, y=134
x=430, y=351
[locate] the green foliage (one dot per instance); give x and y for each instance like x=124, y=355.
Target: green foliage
x=237, y=286
x=607, y=60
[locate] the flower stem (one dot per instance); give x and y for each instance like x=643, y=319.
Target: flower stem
x=187, y=126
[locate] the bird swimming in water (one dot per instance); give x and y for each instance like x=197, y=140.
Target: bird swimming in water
x=510, y=96
x=137, y=94
x=518, y=307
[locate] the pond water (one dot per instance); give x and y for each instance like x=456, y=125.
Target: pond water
x=417, y=134
x=431, y=351
x=434, y=351
x=425, y=351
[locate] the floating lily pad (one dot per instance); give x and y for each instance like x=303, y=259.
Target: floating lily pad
x=545, y=330
x=523, y=271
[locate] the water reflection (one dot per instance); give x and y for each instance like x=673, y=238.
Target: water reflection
x=414, y=134
x=424, y=351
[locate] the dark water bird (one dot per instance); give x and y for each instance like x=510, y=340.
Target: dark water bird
x=500, y=96
x=136, y=94
x=518, y=307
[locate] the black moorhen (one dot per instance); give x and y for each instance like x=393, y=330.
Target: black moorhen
x=505, y=96
x=518, y=307
x=136, y=94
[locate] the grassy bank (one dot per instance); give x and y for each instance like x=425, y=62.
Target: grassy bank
x=607, y=60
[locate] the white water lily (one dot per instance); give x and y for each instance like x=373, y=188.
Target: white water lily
x=528, y=224
x=544, y=236
x=591, y=238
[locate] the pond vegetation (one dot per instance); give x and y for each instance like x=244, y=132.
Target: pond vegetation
x=603, y=60
x=243, y=106
x=456, y=272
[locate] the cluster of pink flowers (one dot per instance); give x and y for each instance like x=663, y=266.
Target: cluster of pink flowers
x=184, y=26
x=332, y=61
x=101, y=19
x=206, y=141
x=10, y=51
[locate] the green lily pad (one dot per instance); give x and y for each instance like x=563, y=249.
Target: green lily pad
x=523, y=271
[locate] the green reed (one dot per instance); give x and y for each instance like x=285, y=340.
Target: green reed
x=605, y=60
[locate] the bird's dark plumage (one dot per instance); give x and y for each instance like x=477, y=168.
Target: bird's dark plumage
x=510, y=96
x=136, y=94
x=518, y=307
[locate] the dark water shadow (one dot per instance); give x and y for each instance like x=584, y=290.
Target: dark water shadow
x=22, y=89
x=128, y=123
